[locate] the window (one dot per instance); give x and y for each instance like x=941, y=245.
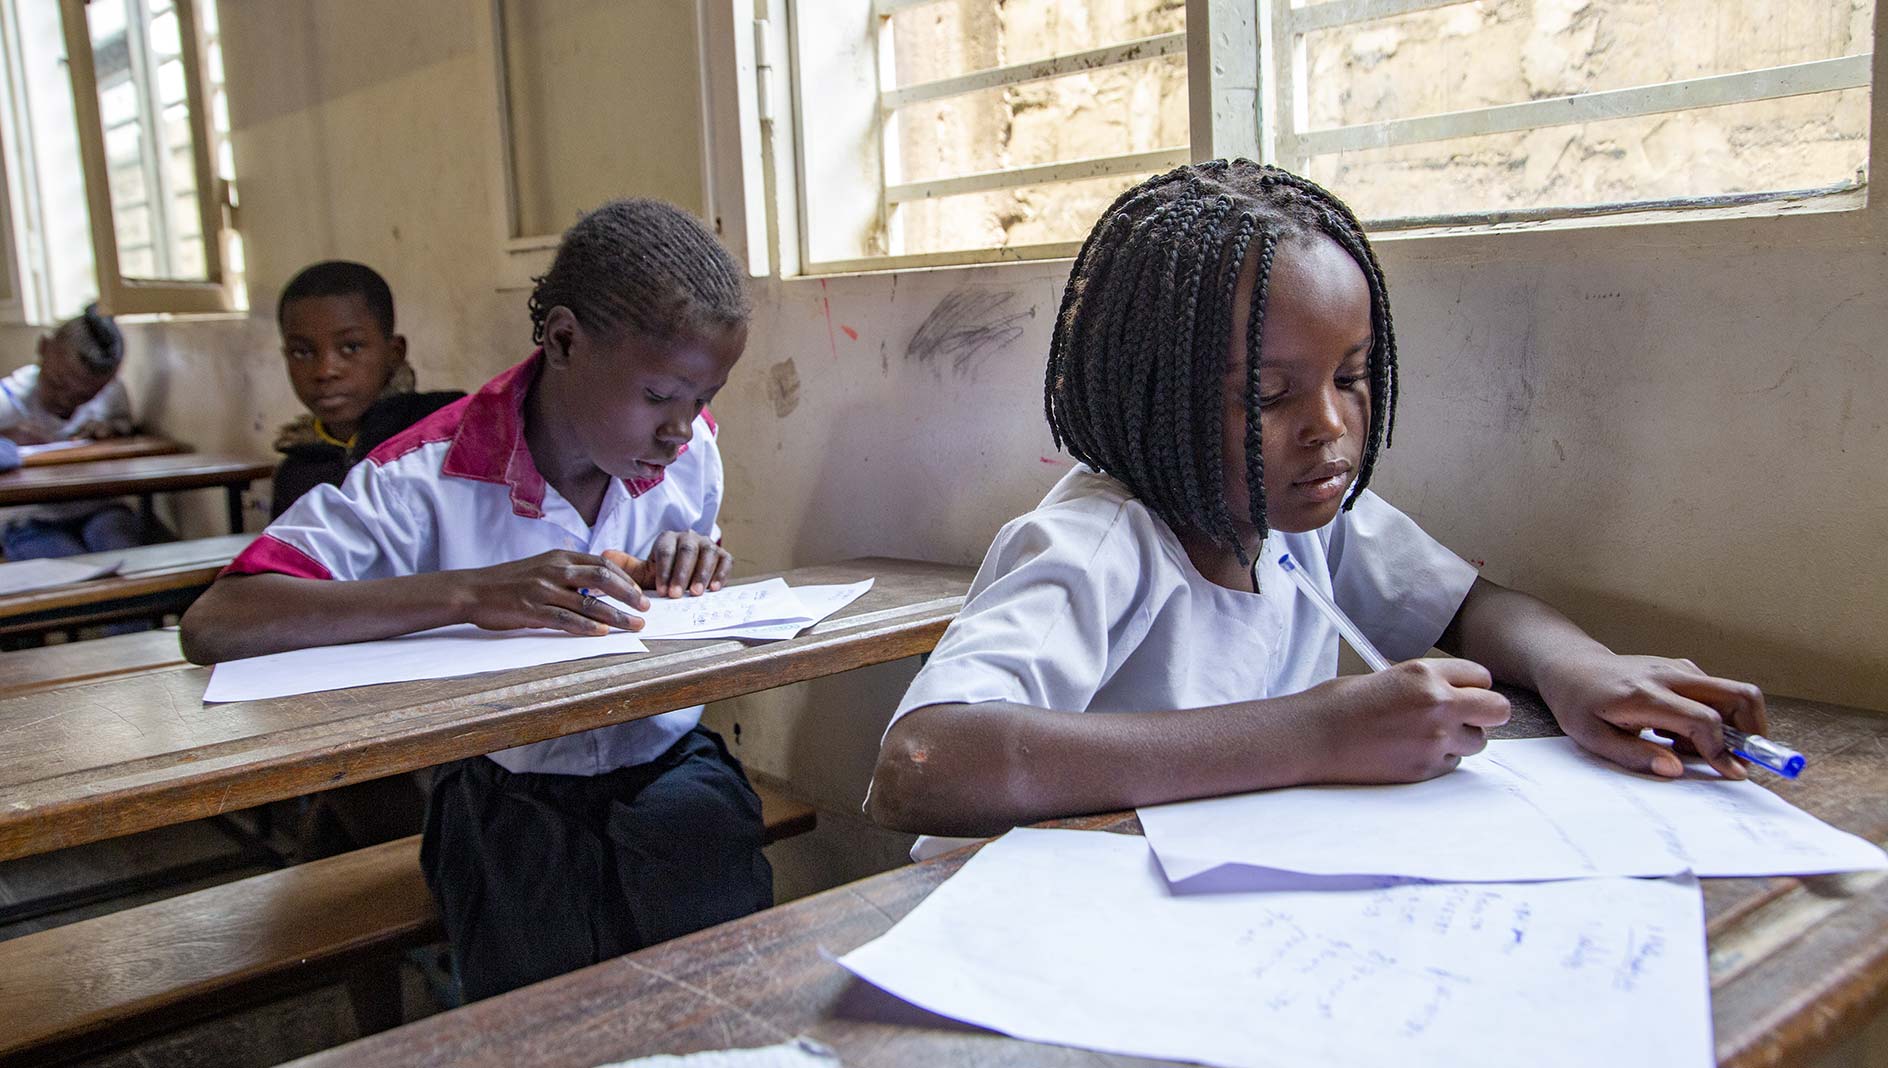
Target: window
x=962, y=131
x=118, y=174
x=1422, y=112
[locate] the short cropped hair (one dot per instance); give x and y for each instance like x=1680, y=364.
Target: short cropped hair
x=340, y=278
x=94, y=338
x=645, y=265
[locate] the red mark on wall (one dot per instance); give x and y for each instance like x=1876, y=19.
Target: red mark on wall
x=1053, y=462
x=850, y=332
x=1479, y=564
x=826, y=305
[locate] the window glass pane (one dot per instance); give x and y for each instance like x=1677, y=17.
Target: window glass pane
x=604, y=101
x=961, y=36
x=149, y=146
x=1129, y=108
x=53, y=224
x=1494, y=52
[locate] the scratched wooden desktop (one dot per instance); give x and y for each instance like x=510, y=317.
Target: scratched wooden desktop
x=139, y=476
x=1796, y=964
x=123, y=753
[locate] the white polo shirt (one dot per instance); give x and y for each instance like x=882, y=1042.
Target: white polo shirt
x=459, y=490
x=1089, y=604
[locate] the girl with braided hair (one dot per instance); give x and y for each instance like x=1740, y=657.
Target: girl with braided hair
x=589, y=468
x=1224, y=368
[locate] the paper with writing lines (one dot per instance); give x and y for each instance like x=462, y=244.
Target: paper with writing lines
x=1073, y=937
x=755, y=610
x=1536, y=808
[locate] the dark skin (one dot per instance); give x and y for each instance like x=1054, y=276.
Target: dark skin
x=64, y=384
x=339, y=358
x=605, y=405
x=979, y=769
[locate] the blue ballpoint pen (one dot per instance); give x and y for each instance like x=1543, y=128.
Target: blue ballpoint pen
x=1755, y=748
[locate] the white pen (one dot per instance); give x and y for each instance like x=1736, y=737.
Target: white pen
x=1332, y=612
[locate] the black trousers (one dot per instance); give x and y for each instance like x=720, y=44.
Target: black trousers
x=538, y=875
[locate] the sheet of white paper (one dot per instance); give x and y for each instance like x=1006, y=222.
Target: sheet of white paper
x=818, y=603
x=27, y=452
x=727, y=609
x=799, y=1053
x=23, y=575
x=756, y=610
x=1536, y=808
x=445, y=653
x=1073, y=937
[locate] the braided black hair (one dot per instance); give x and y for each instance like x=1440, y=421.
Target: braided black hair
x=642, y=264
x=340, y=278
x=1133, y=387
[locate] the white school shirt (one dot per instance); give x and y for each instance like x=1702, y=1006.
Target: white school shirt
x=1090, y=604
x=20, y=409
x=459, y=490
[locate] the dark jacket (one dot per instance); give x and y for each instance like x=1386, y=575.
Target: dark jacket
x=307, y=465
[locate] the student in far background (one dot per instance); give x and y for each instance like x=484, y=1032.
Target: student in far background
x=72, y=392
x=349, y=368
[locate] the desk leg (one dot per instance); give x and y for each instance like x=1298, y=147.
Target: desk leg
x=235, y=500
x=147, y=513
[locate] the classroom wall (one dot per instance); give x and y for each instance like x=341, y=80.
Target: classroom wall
x=1675, y=432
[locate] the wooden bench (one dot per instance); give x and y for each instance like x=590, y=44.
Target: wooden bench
x=95, y=984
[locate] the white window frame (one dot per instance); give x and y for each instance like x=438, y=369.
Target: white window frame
x=731, y=184
x=1285, y=140
x=133, y=296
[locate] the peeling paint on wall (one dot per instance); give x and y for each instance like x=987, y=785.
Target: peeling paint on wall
x=783, y=388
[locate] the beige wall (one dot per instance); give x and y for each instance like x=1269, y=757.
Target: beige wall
x=1676, y=432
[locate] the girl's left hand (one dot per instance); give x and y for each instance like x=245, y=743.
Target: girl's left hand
x=1604, y=701
x=682, y=561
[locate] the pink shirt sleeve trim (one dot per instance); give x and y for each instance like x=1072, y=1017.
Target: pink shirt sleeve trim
x=269, y=555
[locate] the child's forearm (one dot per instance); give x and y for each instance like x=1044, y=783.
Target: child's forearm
x=1520, y=639
x=254, y=615
x=983, y=768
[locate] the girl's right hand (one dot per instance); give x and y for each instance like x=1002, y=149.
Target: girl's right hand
x=549, y=591
x=1412, y=721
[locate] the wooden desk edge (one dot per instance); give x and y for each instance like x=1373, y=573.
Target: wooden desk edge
x=241, y=779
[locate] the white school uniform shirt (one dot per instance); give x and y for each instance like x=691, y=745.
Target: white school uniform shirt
x=459, y=490
x=21, y=409
x=1090, y=604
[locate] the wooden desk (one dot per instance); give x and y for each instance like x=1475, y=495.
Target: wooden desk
x=140, y=476
x=1796, y=964
x=153, y=578
x=124, y=448
x=76, y=663
x=99, y=759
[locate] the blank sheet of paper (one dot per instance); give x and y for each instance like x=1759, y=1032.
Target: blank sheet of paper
x=1073, y=937
x=21, y=576
x=1536, y=808
x=445, y=653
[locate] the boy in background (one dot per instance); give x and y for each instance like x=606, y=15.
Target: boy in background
x=72, y=392
x=349, y=370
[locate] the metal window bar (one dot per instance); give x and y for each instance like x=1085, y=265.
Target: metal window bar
x=1296, y=145
x=891, y=100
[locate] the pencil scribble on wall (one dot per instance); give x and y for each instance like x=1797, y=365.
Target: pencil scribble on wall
x=967, y=325
x=783, y=388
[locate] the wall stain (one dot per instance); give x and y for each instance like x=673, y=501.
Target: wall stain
x=965, y=327
x=783, y=388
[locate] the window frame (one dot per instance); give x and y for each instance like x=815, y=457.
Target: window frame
x=136, y=296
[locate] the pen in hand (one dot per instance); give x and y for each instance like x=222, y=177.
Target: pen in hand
x=1755, y=748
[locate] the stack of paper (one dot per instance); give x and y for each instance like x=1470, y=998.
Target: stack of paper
x=22, y=576
x=1536, y=808
x=766, y=610
x=27, y=452
x=1481, y=918
x=1074, y=937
